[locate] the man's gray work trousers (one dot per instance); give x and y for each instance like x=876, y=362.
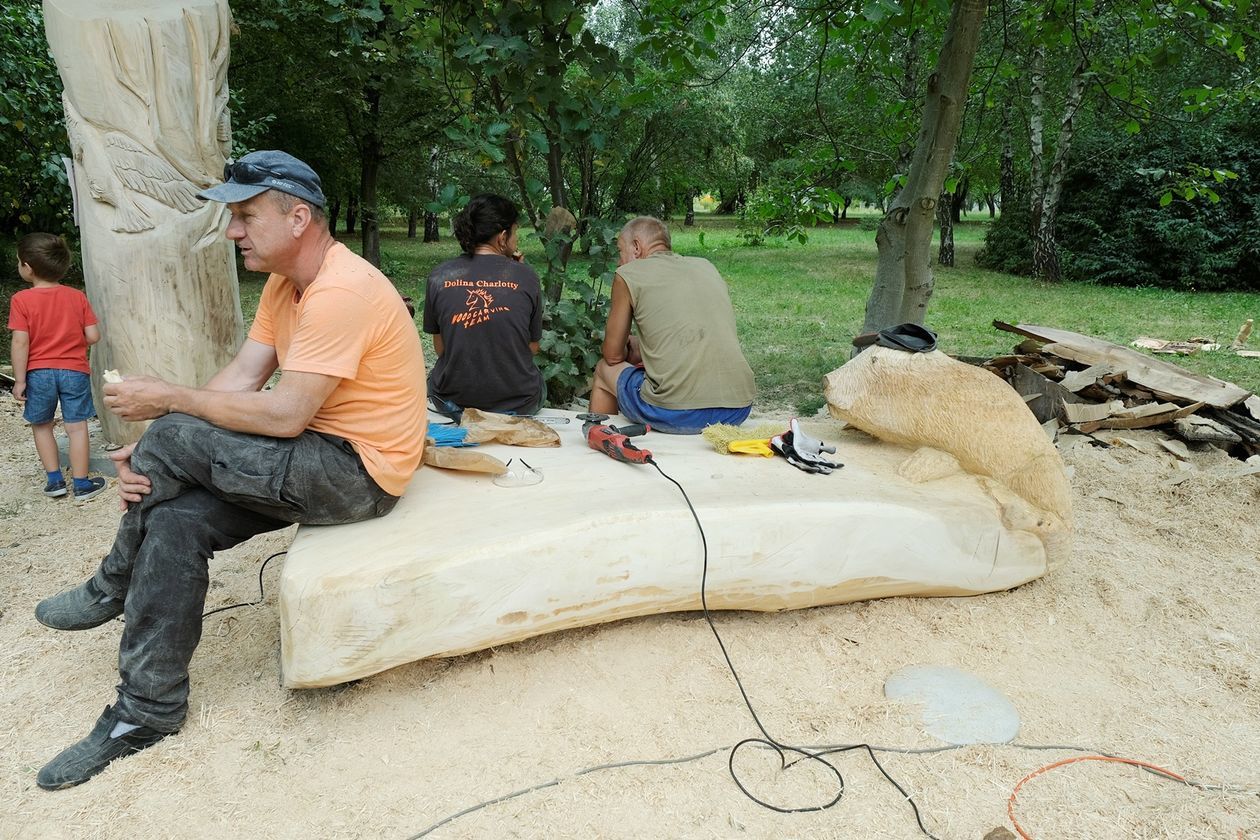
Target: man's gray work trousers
x=212, y=489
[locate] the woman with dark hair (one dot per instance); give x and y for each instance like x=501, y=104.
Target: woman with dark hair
x=484, y=311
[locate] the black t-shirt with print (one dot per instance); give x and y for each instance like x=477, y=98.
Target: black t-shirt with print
x=487, y=308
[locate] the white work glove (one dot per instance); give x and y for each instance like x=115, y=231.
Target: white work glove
x=808, y=447
x=803, y=451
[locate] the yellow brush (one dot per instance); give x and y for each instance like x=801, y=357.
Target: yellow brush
x=721, y=435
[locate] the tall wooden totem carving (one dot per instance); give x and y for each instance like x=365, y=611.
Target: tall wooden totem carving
x=146, y=102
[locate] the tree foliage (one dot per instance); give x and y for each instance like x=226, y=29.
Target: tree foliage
x=34, y=193
x=786, y=111
x=1136, y=214
x=352, y=87
x=1149, y=84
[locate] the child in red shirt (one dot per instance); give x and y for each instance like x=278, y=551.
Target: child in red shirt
x=52, y=327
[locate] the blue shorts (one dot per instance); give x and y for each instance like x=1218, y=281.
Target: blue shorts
x=681, y=421
x=45, y=386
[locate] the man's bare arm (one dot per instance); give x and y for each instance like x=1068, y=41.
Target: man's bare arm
x=617, y=330
x=249, y=370
x=284, y=411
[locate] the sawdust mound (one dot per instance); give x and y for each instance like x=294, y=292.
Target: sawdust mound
x=1143, y=645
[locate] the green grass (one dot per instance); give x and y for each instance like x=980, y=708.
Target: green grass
x=799, y=306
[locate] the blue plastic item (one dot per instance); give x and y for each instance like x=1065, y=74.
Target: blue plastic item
x=448, y=435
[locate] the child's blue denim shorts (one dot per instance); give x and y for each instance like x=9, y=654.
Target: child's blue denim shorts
x=45, y=386
x=683, y=421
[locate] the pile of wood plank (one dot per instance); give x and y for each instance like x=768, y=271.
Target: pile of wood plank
x=1077, y=383
x=1194, y=346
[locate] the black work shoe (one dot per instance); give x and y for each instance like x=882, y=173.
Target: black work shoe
x=76, y=764
x=54, y=489
x=81, y=608
x=94, y=489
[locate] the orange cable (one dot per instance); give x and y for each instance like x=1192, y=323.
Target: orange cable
x=1010, y=803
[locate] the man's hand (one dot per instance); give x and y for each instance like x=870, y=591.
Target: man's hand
x=139, y=397
x=132, y=486
x=19, y=392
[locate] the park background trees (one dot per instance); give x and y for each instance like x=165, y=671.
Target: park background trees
x=1117, y=139
x=34, y=192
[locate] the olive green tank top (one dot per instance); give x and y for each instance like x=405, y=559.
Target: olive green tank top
x=686, y=328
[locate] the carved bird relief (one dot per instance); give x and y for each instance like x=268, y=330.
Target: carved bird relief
x=116, y=166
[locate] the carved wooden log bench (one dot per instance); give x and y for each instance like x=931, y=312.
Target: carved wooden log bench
x=462, y=564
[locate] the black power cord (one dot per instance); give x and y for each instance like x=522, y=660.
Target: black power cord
x=809, y=752
x=260, y=589
x=1227, y=788
x=768, y=740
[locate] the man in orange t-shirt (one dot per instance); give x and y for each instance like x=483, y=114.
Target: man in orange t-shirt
x=335, y=440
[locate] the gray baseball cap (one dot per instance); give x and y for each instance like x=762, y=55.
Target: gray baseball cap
x=258, y=172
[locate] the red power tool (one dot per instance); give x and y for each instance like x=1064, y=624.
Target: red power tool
x=613, y=441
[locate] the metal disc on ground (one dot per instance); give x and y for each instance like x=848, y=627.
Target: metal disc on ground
x=958, y=708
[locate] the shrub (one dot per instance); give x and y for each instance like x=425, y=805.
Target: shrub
x=783, y=210
x=1164, y=208
x=1174, y=206
x=1137, y=215
x=8, y=258
x=1008, y=242
x=573, y=326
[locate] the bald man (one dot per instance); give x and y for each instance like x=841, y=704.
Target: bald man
x=683, y=370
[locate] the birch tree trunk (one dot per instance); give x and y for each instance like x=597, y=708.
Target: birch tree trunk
x=1036, y=135
x=1045, y=250
x=903, y=274
x=1006, y=168
x=146, y=102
